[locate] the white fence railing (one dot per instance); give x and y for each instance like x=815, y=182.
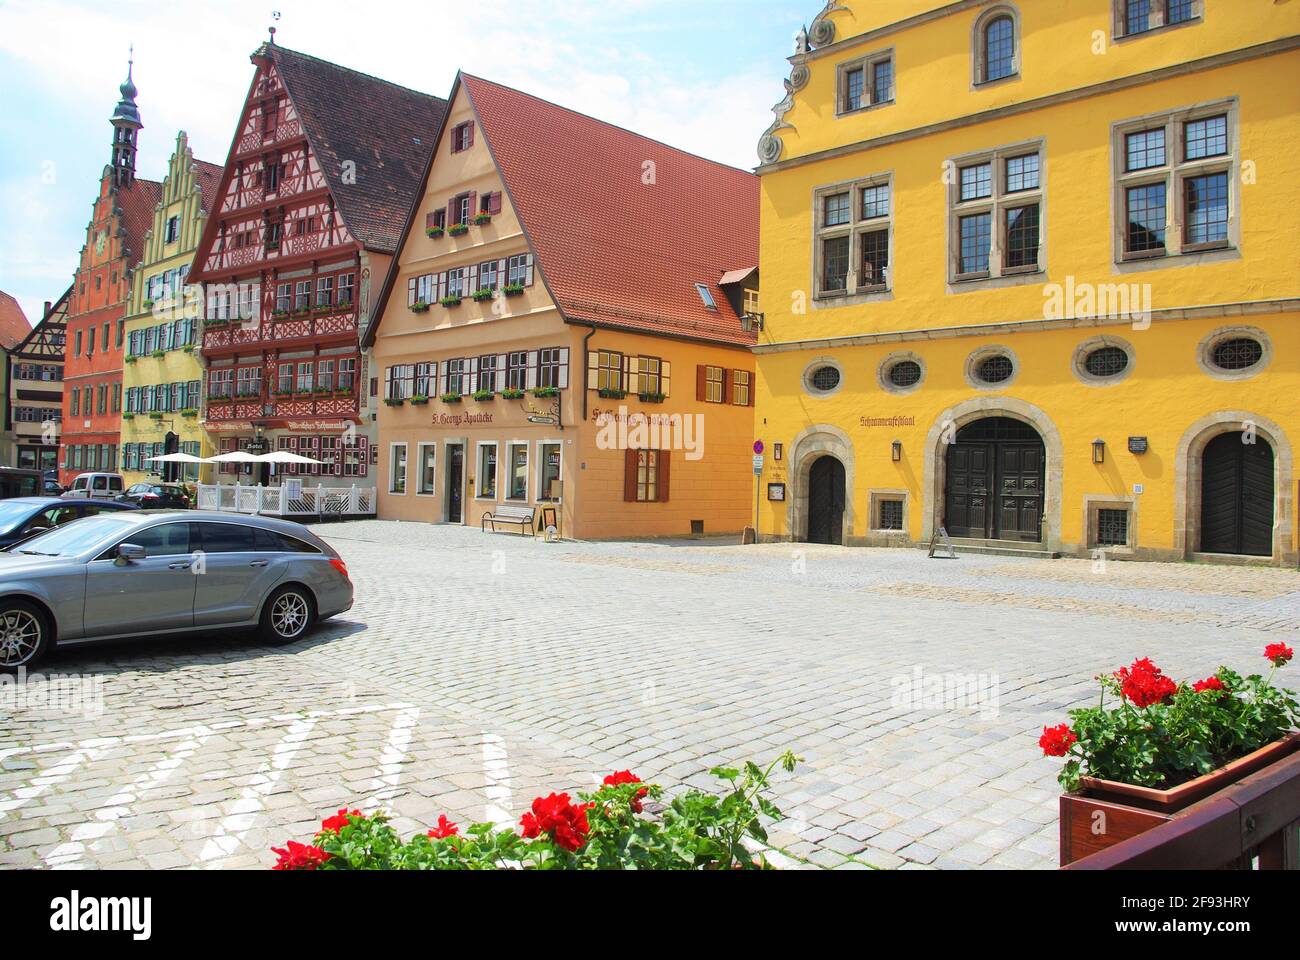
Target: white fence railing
x=313, y=501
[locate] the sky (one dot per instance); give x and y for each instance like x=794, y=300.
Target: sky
x=701, y=75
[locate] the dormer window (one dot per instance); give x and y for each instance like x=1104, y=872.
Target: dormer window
x=706, y=296
x=462, y=136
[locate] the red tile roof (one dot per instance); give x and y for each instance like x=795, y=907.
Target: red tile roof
x=386, y=130
x=209, y=176
x=614, y=249
x=136, y=203
x=14, y=327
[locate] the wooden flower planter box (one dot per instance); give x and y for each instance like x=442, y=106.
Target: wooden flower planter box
x=1105, y=812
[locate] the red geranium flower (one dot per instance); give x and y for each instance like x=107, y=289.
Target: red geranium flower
x=564, y=821
x=444, y=829
x=1279, y=653
x=1056, y=741
x=299, y=856
x=1143, y=684
x=620, y=777
x=1209, y=683
x=338, y=821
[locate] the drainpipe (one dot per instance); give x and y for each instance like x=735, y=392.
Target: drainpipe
x=582, y=371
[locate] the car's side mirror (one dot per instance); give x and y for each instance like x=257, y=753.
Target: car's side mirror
x=126, y=552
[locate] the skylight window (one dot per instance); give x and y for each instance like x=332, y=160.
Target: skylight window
x=706, y=295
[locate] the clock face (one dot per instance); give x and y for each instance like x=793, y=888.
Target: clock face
x=101, y=240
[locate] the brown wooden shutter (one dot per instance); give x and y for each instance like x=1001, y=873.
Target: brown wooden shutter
x=701, y=382
x=629, y=475
x=469, y=134
x=727, y=383
x=494, y=201
x=430, y=220
x=451, y=212
x=473, y=202
x=661, y=491
x=753, y=385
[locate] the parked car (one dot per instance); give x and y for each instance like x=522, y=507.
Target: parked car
x=153, y=495
x=19, y=482
x=22, y=518
x=145, y=572
x=96, y=486
x=53, y=488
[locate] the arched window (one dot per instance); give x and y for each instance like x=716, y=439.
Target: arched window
x=999, y=48
x=996, y=43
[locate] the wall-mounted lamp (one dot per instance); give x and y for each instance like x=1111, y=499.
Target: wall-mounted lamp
x=896, y=450
x=1099, y=450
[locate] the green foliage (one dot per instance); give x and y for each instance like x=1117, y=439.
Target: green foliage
x=693, y=831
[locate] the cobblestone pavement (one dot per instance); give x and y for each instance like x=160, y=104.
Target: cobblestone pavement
x=476, y=671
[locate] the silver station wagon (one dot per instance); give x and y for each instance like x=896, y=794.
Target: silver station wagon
x=137, y=573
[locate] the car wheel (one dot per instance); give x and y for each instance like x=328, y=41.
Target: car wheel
x=288, y=614
x=24, y=635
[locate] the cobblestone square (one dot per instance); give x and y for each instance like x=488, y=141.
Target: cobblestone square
x=476, y=671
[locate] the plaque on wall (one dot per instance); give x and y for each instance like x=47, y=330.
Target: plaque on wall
x=776, y=491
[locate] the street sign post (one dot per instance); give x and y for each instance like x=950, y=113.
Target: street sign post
x=758, y=483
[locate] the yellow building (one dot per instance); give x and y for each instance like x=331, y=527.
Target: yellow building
x=1030, y=277
x=162, y=371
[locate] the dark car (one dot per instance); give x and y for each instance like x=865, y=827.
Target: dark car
x=20, y=482
x=163, y=572
x=171, y=496
x=53, y=488
x=23, y=517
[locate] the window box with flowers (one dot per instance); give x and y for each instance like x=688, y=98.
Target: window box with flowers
x=1163, y=746
x=128, y=416
x=189, y=412
x=611, y=393
x=458, y=229
x=131, y=358
x=481, y=395
x=419, y=307
x=187, y=348
x=482, y=219
x=147, y=305
x=512, y=393
x=451, y=398
x=513, y=289
x=394, y=401
x=155, y=415
x=419, y=400
x=624, y=824
x=433, y=233
x=279, y=314
x=216, y=322
x=546, y=392
x=158, y=354
x=450, y=302
x=652, y=397
x=482, y=294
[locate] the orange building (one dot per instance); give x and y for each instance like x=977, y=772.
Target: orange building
x=561, y=336
x=123, y=212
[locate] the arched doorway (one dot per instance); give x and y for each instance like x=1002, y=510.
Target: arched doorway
x=1237, y=495
x=994, y=481
x=826, y=501
x=171, y=444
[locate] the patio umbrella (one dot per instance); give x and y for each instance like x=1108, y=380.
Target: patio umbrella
x=175, y=458
x=284, y=456
x=234, y=456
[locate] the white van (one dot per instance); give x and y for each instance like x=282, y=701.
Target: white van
x=96, y=486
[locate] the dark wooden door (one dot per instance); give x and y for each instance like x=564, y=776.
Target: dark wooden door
x=826, y=501
x=994, y=482
x=1237, y=496
x=970, y=475
x=1020, y=491
x=455, y=482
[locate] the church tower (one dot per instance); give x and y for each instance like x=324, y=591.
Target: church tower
x=126, y=125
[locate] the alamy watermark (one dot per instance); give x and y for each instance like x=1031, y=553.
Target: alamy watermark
x=69, y=694
x=919, y=690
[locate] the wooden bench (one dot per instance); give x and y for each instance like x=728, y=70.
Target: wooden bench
x=522, y=516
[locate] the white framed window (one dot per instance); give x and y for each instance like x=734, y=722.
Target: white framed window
x=865, y=82
x=485, y=484
x=854, y=227
x=517, y=471
x=397, y=469
x=426, y=483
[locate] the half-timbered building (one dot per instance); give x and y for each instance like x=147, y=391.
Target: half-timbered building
x=34, y=419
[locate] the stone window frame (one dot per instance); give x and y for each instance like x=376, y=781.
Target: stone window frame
x=887, y=363
x=981, y=354
x=1092, y=505
x=1174, y=173
x=854, y=230
x=996, y=204
x=979, y=53
x=816, y=364
x=1205, y=352
x=877, y=496
x=1081, y=352
x=867, y=64
x=1159, y=10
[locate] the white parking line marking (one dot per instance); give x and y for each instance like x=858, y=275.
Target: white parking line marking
x=230, y=832
x=496, y=769
x=390, y=762
x=56, y=774
x=69, y=855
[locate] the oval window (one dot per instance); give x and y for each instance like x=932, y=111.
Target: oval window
x=1106, y=362
x=1239, y=353
x=825, y=379
x=905, y=373
x=996, y=369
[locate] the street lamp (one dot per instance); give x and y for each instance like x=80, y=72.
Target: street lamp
x=1099, y=450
